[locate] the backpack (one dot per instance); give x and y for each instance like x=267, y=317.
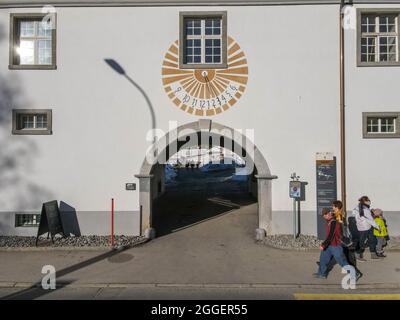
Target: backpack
x=345, y=237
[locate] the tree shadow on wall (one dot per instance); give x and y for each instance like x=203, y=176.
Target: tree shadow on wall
x=18, y=154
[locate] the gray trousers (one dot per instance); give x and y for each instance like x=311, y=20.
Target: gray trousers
x=381, y=241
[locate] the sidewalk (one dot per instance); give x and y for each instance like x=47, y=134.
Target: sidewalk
x=218, y=252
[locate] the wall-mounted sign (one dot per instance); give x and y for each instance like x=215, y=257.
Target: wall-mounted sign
x=326, y=187
x=205, y=92
x=130, y=186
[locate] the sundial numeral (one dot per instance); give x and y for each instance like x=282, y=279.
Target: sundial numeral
x=186, y=98
x=229, y=94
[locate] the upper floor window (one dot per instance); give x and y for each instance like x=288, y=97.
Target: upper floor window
x=378, y=39
x=202, y=40
x=381, y=125
x=32, y=42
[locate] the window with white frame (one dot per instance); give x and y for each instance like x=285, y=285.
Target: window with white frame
x=381, y=125
x=379, y=38
x=33, y=42
x=31, y=121
x=203, y=38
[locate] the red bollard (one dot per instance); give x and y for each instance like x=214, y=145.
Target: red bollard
x=112, y=222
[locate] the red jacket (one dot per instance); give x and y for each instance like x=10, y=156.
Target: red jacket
x=333, y=234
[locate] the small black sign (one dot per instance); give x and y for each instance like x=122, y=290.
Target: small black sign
x=50, y=220
x=326, y=190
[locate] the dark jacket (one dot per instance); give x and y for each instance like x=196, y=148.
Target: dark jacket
x=333, y=234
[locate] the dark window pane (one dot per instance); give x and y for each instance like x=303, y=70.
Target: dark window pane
x=197, y=31
x=197, y=59
x=217, y=59
x=208, y=59
x=217, y=31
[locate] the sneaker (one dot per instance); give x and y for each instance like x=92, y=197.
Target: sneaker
x=319, y=276
x=381, y=255
x=358, y=275
x=375, y=256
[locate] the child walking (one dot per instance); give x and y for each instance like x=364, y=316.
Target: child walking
x=381, y=234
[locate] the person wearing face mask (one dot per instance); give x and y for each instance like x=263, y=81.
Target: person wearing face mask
x=365, y=226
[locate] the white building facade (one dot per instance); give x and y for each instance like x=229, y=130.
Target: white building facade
x=78, y=102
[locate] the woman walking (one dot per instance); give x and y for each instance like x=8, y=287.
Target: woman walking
x=365, y=224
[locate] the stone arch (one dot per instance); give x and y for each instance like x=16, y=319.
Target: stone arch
x=204, y=133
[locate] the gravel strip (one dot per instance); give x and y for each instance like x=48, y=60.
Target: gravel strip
x=82, y=241
x=303, y=242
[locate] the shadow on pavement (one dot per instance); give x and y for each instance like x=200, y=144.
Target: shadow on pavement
x=36, y=290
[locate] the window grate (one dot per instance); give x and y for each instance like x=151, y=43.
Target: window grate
x=27, y=220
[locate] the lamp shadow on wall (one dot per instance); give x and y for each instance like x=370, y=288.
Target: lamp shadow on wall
x=121, y=71
x=18, y=154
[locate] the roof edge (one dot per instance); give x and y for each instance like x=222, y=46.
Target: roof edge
x=166, y=3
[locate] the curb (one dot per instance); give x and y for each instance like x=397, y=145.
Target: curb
x=201, y=285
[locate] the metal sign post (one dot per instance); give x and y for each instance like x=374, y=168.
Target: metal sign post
x=297, y=193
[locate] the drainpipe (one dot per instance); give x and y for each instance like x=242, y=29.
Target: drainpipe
x=342, y=109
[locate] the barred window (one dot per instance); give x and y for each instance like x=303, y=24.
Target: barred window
x=27, y=220
x=32, y=121
x=381, y=125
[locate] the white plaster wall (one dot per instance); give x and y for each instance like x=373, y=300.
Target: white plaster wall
x=373, y=164
x=100, y=120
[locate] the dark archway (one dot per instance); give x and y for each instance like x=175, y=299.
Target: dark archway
x=203, y=133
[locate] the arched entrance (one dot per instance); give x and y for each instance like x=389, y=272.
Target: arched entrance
x=207, y=134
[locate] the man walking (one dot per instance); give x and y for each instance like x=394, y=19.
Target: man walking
x=331, y=247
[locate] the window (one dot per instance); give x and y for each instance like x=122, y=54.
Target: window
x=27, y=220
x=378, y=38
x=381, y=125
x=32, y=42
x=202, y=40
x=32, y=121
